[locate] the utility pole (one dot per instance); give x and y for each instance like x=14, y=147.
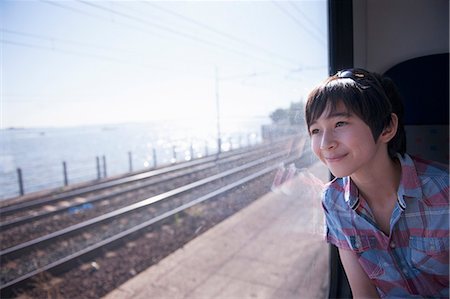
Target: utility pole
x=219, y=141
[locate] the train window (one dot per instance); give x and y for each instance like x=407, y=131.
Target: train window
x=160, y=142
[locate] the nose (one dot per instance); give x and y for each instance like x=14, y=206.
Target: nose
x=328, y=141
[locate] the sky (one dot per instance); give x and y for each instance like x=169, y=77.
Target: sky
x=71, y=63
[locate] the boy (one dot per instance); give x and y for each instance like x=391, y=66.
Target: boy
x=387, y=212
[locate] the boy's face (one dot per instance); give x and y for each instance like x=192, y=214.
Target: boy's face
x=342, y=141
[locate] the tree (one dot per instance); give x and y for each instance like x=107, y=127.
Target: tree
x=279, y=115
x=294, y=115
x=297, y=113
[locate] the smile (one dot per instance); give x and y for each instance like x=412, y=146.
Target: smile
x=333, y=159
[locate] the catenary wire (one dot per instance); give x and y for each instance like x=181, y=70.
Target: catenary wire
x=179, y=33
x=296, y=21
x=219, y=32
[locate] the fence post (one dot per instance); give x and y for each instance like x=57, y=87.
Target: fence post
x=219, y=145
x=20, y=180
x=98, y=167
x=104, y=166
x=130, y=161
x=206, y=148
x=174, y=154
x=154, y=157
x=66, y=181
x=192, y=151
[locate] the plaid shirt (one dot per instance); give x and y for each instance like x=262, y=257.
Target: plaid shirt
x=414, y=258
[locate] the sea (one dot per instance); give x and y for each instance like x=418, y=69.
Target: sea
x=46, y=158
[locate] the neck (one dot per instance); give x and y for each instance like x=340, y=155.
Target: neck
x=379, y=182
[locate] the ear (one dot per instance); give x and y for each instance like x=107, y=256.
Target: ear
x=390, y=131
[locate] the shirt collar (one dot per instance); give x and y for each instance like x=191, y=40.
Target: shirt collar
x=409, y=184
x=351, y=192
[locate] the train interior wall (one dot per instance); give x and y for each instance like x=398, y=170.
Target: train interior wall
x=393, y=37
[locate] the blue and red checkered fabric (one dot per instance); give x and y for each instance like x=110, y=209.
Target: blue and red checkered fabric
x=414, y=258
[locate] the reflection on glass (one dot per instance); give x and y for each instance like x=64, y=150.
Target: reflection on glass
x=96, y=91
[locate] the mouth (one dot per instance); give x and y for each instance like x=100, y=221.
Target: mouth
x=333, y=159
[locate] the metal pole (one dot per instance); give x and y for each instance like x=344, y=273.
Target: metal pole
x=219, y=141
x=104, y=166
x=192, y=151
x=154, y=157
x=97, y=159
x=66, y=181
x=174, y=154
x=19, y=176
x=130, y=161
x=206, y=148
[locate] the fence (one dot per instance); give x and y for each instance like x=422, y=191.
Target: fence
x=101, y=167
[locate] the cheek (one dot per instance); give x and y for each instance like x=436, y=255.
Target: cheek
x=362, y=140
x=315, y=146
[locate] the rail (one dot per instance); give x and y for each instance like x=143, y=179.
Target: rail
x=24, y=248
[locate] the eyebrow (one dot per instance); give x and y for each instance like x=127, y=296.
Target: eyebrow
x=339, y=114
x=334, y=114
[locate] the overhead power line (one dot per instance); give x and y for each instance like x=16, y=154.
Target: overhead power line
x=56, y=48
x=68, y=41
x=292, y=17
x=97, y=16
x=219, y=32
x=146, y=31
x=179, y=33
x=77, y=53
x=307, y=19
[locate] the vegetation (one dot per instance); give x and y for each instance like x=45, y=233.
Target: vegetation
x=294, y=115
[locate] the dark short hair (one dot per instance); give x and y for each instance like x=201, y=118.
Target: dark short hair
x=369, y=95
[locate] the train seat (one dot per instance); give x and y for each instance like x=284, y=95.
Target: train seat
x=423, y=83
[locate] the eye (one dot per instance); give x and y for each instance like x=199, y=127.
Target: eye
x=314, y=131
x=340, y=123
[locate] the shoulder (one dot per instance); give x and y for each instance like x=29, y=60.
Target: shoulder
x=333, y=193
x=430, y=169
x=434, y=180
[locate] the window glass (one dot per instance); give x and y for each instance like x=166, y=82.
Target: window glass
x=97, y=91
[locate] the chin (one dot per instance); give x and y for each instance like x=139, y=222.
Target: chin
x=339, y=173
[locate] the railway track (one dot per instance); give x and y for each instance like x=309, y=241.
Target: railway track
x=24, y=207
x=31, y=220
x=60, y=247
